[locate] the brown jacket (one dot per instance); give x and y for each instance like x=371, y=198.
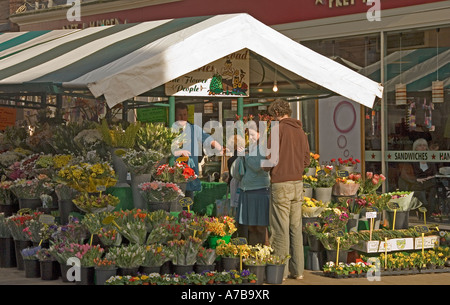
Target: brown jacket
x=293, y=152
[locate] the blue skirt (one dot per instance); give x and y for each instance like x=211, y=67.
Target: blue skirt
x=254, y=207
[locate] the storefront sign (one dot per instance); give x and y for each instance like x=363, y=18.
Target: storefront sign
x=226, y=77
x=409, y=156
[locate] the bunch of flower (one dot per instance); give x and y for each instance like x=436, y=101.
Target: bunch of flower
x=371, y=183
x=9, y=157
x=86, y=177
x=178, y=173
x=231, y=250
x=277, y=259
x=309, y=181
x=128, y=256
x=88, y=139
x=258, y=255
x=33, y=188
x=96, y=203
x=184, y=251
x=352, y=178
x=356, y=205
x=62, y=251
x=88, y=253
x=30, y=253
x=345, y=162
x=118, y=136
x=4, y=230
x=5, y=191
x=22, y=169
x=134, y=231
x=312, y=207
x=206, y=256
x=334, y=218
x=104, y=263
x=329, y=240
x=314, y=160
x=156, y=255
x=156, y=137
x=17, y=224
x=164, y=233
x=324, y=179
x=38, y=231
x=140, y=161
x=158, y=191
x=314, y=228
x=59, y=161
x=73, y=232
x=330, y=268
x=45, y=254
x=220, y=226
x=109, y=236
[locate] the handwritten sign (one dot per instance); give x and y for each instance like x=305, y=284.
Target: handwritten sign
x=371, y=212
x=239, y=241
x=47, y=219
x=393, y=205
x=342, y=173
x=421, y=229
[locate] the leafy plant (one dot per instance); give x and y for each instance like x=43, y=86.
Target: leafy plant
x=117, y=136
x=156, y=137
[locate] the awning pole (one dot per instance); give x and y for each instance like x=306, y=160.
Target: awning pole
x=240, y=107
x=171, y=110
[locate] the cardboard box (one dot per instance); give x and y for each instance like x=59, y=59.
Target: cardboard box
x=429, y=242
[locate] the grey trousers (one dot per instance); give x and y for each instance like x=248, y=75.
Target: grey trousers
x=286, y=224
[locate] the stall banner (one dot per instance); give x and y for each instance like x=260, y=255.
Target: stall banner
x=152, y=115
x=7, y=117
x=339, y=129
x=225, y=77
x=408, y=156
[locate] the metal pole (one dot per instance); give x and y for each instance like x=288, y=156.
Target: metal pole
x=171, y=110
x=240, y=107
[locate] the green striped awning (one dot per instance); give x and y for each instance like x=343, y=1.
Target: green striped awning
x=123, y=61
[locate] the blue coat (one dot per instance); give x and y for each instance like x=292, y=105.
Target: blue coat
x=255, y=177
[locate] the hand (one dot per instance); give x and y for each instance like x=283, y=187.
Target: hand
x=184, y=153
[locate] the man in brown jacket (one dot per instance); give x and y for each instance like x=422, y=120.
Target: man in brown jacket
x=287, y=187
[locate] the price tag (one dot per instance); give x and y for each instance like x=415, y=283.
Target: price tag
x=47, y=219
x=100, y=188
x=196, y=228
x=421, y=229
x=306, y=185
x=371, y=212
x=337, y=233
x=423, y=209
x=344, y=199
x=393, y=205
x=239, y=241
x=342, y=173
x=321, y=172
x=186, y=202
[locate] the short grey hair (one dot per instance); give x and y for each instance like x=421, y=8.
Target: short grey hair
x=418, y=142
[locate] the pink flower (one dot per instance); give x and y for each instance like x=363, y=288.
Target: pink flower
x=369, y=175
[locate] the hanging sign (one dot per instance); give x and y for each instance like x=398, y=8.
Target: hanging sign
x=225, y=77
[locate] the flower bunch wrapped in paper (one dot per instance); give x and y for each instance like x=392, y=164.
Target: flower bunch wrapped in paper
x=180, y=172
x=5, y=192
x=17, y=224
x=164, y=233
x=371, y=183
x=96, y=203
x=312, y=207
x=404, y=199
x=140, y=161
x=158, y=191
x=206, y=256
x=221, y=226
x=32, y=188
x=184, y=251
x=347, y=186
x=86, y=177
x=127, y=256
x=156, y=255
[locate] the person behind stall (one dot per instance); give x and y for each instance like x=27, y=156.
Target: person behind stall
x=196, y=136
x=286, y=173
x=234, y=183
x=254, y=196
x=420, y=178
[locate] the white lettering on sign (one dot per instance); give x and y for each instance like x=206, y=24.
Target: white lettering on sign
x=408, y=156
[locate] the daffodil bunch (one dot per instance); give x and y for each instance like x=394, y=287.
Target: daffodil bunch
x=309, y=181
x=312, y=207
x=94, y=204
x=230, y=250
x=221, y=226
x=86, y=177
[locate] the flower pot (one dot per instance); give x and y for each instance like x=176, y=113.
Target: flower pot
x=310, y=171
x=150, y=269
x=259, y=271
x=133, y=271
x=314, y=243
x=323, y=194
x=331, y=256
x=308, y=192
x=87, y=275
x=352, y=223
x=204, y=268
x=32, y=204
x=138, y=200
x=212, y=240
x=167, y=268
x=49, y=270
x=66, y=206
x=64, y=268
x=18, y=246
x=155, y=206
x=32, y=268
x=349, y=169
x=7, y=253
x=102, y=274
x=120, y=168
x=9, y=209
x=183, y=269
x=274, y=274
x=230, y=263
x=401, y=219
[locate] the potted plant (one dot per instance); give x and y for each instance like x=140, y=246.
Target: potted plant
x=155, y=256
x=330, y=241
x=31, y=262
x=104, y=269
x=248, y=277
x=180, y=173
x=345, y=164
x=87, y=253
x=159, y=195
x=7, y=205
x=7, y=255
x=256, y=260
x=220, y=228
x=230, y=254
x=313, y=164
x=309, y=182
x=48, y=265
x=275, y=267
x=128, y=258
x=183, y=253
x=206, y=258
x=324, y=186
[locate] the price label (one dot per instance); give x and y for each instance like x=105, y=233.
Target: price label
x=238, y=241
x=421, y=229
x=185, y=202
x=423, y=209
x=197, y=228
x=371, y=212
x=342, y=173
x=337, y=233
x=344, y=199
x=306, y=185
x=393, y=205
x=46, y=219
x=100, y=188
x=321, y=172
